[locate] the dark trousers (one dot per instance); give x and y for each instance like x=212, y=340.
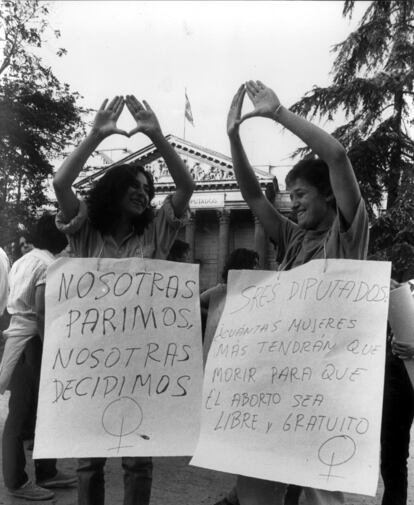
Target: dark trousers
x=397, y=417
x=292, y=495
x=24, y=388
x=137, y=481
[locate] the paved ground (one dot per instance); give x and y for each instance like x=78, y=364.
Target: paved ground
x=175, y=482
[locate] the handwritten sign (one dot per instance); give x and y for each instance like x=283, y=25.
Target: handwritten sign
x=294, y=377
x=122, y=360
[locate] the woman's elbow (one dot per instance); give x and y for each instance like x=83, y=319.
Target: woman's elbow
x=56, y=183
x=59, y=184
x=252, y=194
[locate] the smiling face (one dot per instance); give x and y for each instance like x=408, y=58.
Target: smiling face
x=136, y=199
x=312, y=208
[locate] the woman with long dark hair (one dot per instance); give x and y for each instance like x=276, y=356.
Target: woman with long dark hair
x=118, y=221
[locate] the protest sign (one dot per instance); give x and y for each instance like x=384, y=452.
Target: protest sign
x=401, y=314
x=122, y=361
x=401, y=318
x=294, y=377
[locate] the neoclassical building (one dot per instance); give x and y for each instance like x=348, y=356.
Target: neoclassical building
x=220, y=219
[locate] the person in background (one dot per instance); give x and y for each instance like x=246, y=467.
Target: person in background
x=212, y=305
x=179, y=251
x=212, y=300
x=332, y=222
x=397, y=419
x=4, y=281
x=20, y=366
x=25, y=245
x=4, y=293
x=118, y=221
x=21, y=245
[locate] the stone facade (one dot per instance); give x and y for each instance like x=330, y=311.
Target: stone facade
x=220, y=219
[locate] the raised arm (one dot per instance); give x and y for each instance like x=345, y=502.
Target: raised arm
x=148, y=124
x=103, y=126
x=343, y=181
x=246, y=178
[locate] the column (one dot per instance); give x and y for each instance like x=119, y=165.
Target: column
x=260, y=243
x=190, y=236
x=223, y=246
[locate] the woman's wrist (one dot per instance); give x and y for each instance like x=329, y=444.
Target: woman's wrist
x=277, y=111
x=155, y=135
x=96, y=134
x=234, y=133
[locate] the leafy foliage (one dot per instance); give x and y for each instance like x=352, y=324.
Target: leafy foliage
x=38, y=114
x=372, y=87
x=392, y=236
x=23, y=26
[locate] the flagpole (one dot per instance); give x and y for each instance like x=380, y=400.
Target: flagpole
x=185, y=94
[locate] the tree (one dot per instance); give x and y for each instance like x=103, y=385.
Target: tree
x=372, y=86
x=35, y=126
x=38, y=114
x=23, y=25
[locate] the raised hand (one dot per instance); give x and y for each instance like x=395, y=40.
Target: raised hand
x=107, y=116
x=145, y=117
x=264, y=100
x=233, y=116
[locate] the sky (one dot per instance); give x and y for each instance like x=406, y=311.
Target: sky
x=155, y=50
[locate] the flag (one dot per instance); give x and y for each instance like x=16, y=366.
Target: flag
x=188, y=113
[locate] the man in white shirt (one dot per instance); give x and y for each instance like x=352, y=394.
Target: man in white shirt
x=4, y=283
x=20, y=366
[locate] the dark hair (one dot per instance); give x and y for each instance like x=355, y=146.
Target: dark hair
x=178, y=249
x=17, y=248
x=23, y=234
x=104, y=199
x=316, y=173
x=45, y=235
x=240, y=259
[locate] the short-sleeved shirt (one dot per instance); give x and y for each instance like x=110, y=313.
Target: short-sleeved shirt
x=4, y=281
x=85, y=241
x=298, y=246
x=25, y=275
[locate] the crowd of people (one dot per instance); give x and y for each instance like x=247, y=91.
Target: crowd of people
x=117, y=221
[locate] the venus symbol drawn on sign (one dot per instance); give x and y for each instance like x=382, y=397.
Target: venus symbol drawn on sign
x=336, y=451
x=122, y=417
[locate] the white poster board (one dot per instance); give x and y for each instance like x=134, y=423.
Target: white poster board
x=122, y=360
x=294, y=378
x=401, y=318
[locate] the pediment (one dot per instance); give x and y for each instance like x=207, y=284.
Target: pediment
x=207, y=166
